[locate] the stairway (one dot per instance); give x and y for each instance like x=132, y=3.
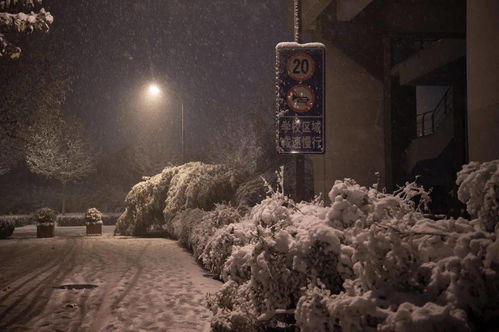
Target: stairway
x=435, y=130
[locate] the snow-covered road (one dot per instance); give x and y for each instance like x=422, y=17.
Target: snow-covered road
x=142, y=284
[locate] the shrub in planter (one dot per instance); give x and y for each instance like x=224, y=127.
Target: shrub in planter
x=93, y=220
x=45, y=222
x=6, y=228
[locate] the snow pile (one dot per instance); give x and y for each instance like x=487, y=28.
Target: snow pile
x=153, y=204
x=369, y=261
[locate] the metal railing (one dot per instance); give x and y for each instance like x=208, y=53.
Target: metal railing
x=428, y=122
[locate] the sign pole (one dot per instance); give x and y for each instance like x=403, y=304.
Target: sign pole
x=297, y=21
x=300, y=158
x=300, y=100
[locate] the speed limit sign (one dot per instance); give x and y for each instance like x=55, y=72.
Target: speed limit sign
x=301, y=67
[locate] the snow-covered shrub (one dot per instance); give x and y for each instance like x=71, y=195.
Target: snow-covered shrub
x=6, y=228
x=288, y=247
x=232, y=308
x=252, y=191
x=410, y=273
x=479, y=190
x=370, y=261
x=145, y=203
x=199, y=185
x=210, y=222
x=153, y=203
x=19, y=220
x=93, y=216
x=219, y=246
x=182, y=226
x=45, y=216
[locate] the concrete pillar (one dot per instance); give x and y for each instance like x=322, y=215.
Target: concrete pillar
x=483, y=79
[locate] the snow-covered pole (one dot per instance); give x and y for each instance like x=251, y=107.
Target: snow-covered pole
x=297, y=20
x=300, y=158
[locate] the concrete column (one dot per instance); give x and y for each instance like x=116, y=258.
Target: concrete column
x=483, y=79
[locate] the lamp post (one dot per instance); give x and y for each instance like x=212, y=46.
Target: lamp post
x=154, y=93
x=183, y=131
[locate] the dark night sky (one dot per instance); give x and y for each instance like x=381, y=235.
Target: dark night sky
x=219, y=54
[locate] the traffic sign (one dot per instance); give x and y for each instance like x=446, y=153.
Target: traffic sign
x=300, y=98
x=301, y=67
x=300, y=82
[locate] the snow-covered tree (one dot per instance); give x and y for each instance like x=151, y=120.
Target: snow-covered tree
x=13, y=19
x=239, y=144
x=34, y=83
x=56, y=148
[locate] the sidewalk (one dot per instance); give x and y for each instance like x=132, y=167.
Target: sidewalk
x=109, y=283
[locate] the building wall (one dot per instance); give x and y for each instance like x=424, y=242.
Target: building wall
x=354, y=117
x=483, y=79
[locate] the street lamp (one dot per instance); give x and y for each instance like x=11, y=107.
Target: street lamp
x=154, y=92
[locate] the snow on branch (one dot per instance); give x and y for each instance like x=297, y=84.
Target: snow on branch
x=20, y=22
x=57, y=149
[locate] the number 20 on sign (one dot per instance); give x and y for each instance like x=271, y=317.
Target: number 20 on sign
x=300, y=75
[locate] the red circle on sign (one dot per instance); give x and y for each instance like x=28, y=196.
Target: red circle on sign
x=300, y=98
x=300, y=67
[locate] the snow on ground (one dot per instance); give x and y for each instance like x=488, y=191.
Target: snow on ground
x=142, y=283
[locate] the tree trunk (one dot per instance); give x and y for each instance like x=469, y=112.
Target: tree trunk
x=63, y=209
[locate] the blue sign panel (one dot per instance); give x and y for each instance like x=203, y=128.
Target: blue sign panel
x=300, y=75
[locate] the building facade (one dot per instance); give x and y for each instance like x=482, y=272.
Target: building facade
x=412, y=89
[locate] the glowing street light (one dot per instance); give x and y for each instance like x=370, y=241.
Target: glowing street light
x=153, y=90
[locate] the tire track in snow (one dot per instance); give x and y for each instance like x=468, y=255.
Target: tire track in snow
x=33, y=276
x=137, y=262
x=39, y=293
x=35, y=273
x=97, y=260
x=106, y=304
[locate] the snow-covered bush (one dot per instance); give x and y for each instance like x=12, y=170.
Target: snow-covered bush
x=219, y=246
x=6, y=228
x=145, y=203
x=252, y=191
x=287, y=247
x=45, y=216
x=210, y=222
x=182, y=226
x=199, y=185
x=18, y=220
x=479, y=190
x=154, y=202
x=370, y=261
x=93, y=216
